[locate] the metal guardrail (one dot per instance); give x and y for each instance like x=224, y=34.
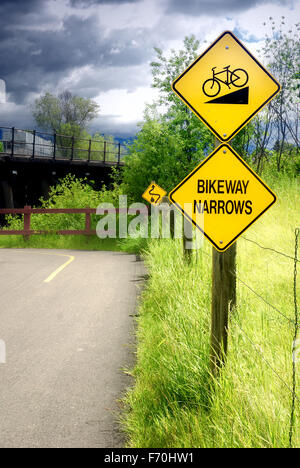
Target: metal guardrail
x=32, y=144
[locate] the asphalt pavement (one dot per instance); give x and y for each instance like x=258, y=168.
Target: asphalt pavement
x=66, y=318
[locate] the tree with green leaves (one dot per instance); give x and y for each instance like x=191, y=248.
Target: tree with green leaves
x=180, y=118
x=282, y=52
x=67, y=116
x=51, y=112
x=171, y=140
x=279, y=120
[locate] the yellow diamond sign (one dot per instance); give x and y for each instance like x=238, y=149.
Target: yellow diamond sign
x=154, y=194
x=226, y=86
x=222, y=197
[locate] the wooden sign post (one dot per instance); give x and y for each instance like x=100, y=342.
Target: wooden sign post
x=223, y=301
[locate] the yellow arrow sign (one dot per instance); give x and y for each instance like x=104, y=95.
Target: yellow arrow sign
x=222, y=197
x=226, y=86
x=154, y=194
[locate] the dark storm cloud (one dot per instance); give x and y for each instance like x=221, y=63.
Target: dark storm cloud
x=216, y=7
x=20, y=6
x=19, y=117
x=32, y=58
x=87, y=3
x=47, y=43
x=17, y=12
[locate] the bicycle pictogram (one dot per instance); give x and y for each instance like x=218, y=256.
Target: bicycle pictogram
x=237, y=78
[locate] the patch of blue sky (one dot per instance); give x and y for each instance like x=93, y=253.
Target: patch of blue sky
x=245, y=35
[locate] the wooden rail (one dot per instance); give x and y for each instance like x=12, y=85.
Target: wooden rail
x=27, y=211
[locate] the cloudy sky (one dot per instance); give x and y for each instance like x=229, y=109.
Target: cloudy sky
x=102, y=49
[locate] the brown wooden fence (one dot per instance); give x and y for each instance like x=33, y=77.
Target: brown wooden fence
x=27, y=211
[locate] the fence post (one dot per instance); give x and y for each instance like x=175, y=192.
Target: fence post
x=104, y=152
x=172, y=218
x=119, y=154
x=54, y=147
x=295, y=342
x=187, y=237
x=89, y=153
x=33, y=144
x=12, y=140
x=72, y=151
x=27, y=220
x=87, y=223
x=223, y=301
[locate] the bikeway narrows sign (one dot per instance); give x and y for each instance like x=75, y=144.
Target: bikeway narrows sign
x=226, y=86
x=222, y=197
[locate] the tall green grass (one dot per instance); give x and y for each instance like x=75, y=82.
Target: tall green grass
x=54, y=241
x=174, y=402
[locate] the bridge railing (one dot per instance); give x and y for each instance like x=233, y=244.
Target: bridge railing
x=34, y=144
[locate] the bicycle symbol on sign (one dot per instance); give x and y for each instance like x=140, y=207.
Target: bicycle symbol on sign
x=237, y=78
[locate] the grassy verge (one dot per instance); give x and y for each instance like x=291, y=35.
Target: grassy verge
x=172, y=404
x=54, y=241
x=58, y=242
